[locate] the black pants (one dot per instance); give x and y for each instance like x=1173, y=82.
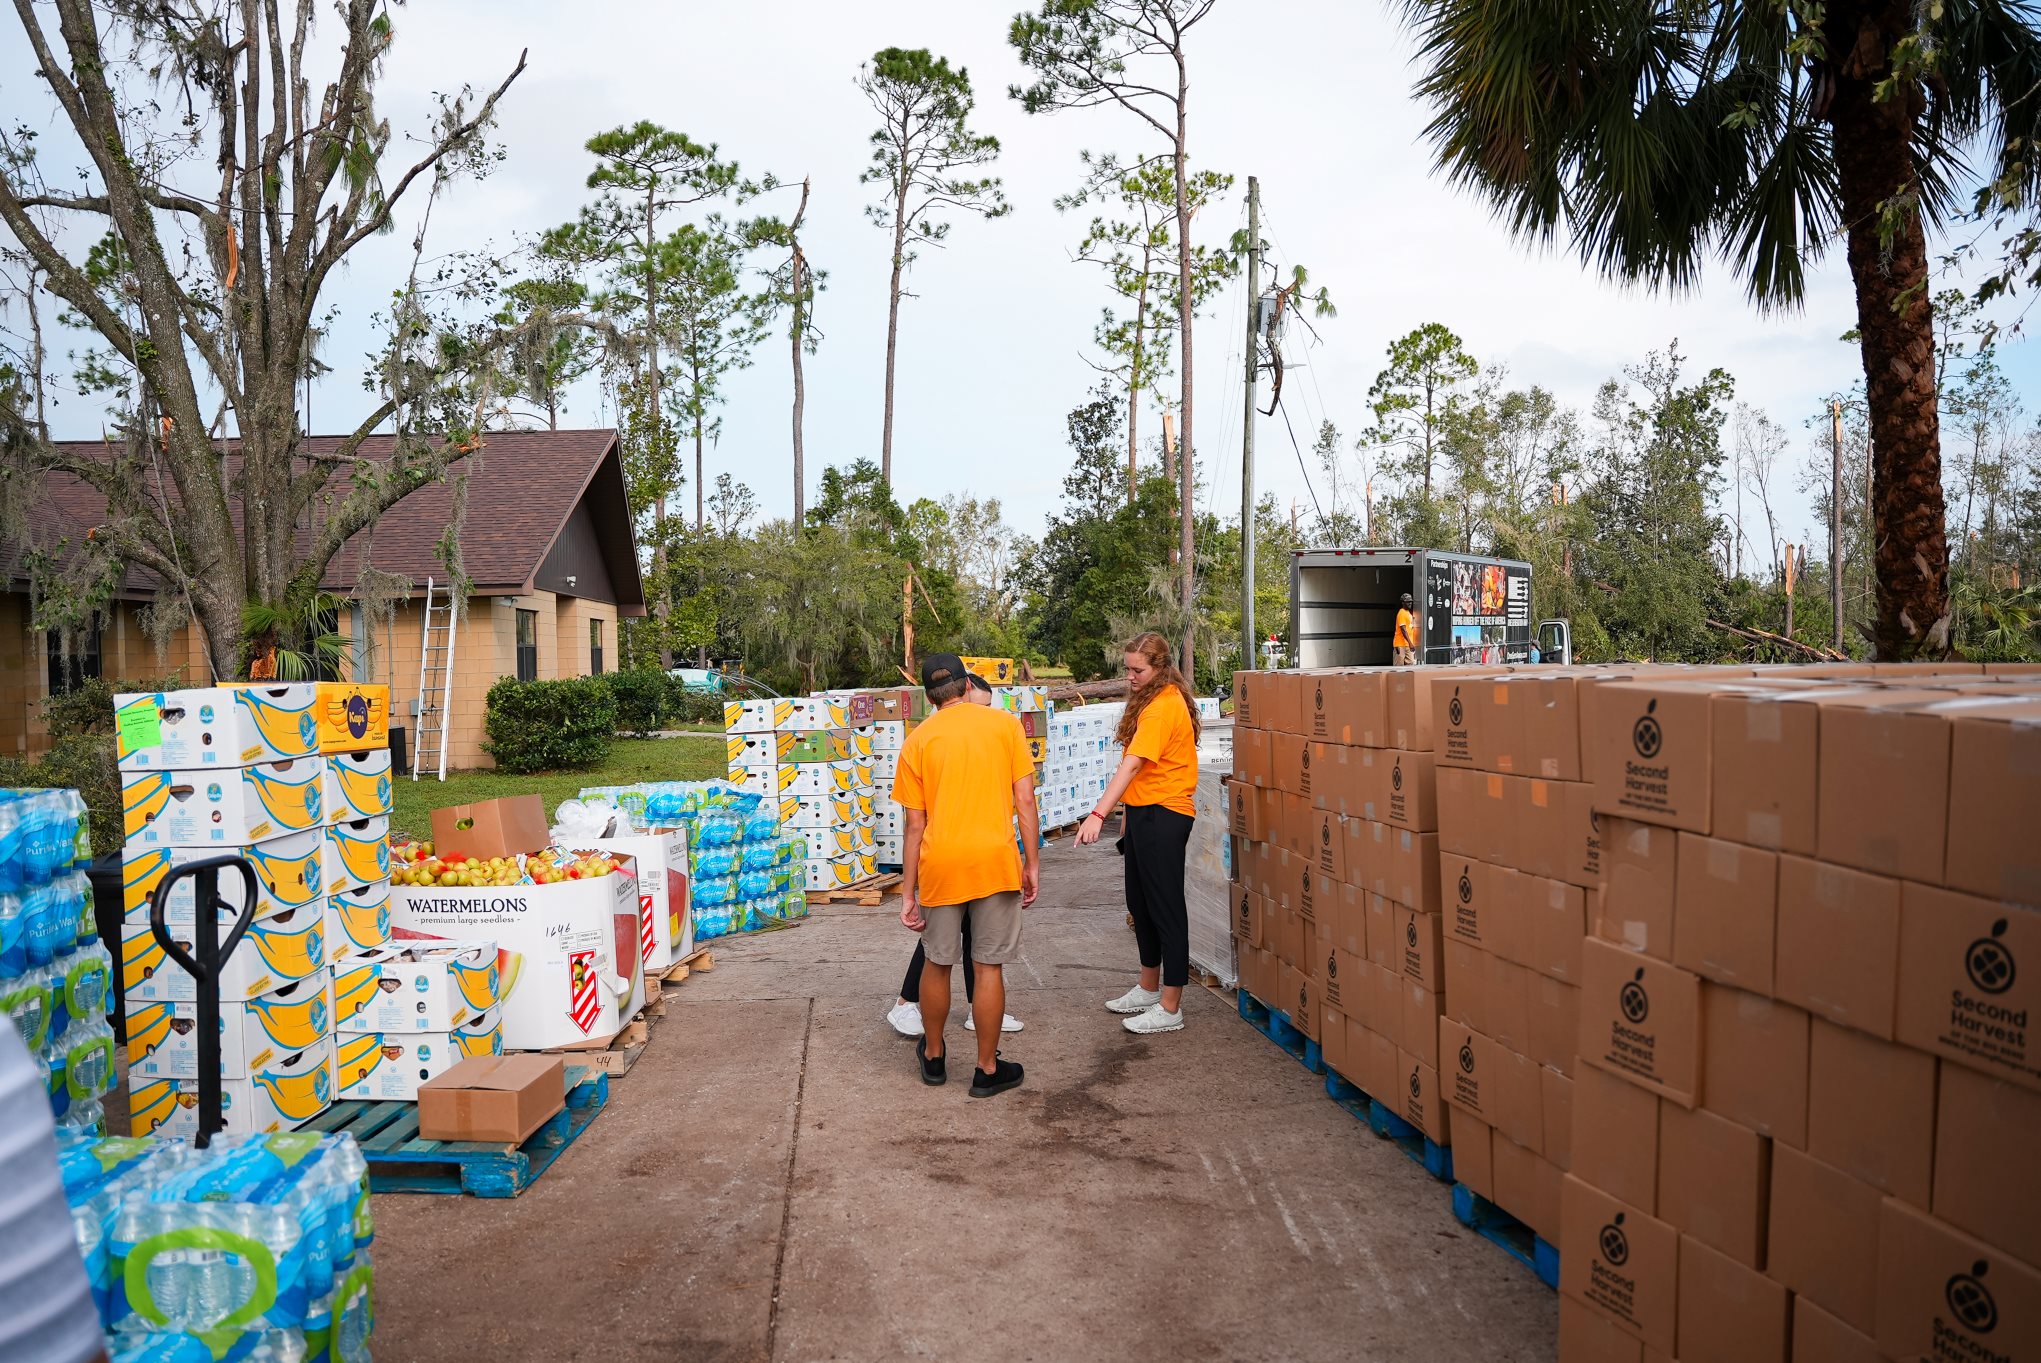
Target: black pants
x=1154, y=840
x=910, y=988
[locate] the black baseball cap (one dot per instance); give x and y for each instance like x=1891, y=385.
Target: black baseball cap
x=939, y=669
x=974, y=682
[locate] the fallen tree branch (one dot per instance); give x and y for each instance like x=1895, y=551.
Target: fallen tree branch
x=1762, y=636
x=1113, y=688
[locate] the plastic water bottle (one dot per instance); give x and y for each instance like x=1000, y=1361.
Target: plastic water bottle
x=13, y=933
x=13, y=857
x=79, y=892
x=82, y=982
x=25, y=1000
x=47, y=926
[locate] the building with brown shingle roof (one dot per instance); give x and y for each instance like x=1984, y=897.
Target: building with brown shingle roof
x=547, y=543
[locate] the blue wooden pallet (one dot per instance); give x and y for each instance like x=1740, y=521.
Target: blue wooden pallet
x=400, y=1162
x=1499, y=1228
x=1275, y=1024
x=1433, y=1158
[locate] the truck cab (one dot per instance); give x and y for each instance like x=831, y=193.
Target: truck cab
x=1467, y=609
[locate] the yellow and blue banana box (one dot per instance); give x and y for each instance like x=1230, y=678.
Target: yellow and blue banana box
x=357, y=785
x=423, y=987
x=276, y=951
x=756, y=716
x=357, y=853
x=770, y=781
x=217, y=726
x=285, y=1093
x=757, y=751
x=389, y=1066
x=224, y=807
x=352, y=716
x=288, y=874
x=809, y=713
x=163, y=1037
x=358, y=920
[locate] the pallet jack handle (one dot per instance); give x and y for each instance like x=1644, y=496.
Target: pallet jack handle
x=204, y=963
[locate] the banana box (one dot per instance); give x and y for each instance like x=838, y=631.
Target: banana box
x=277, y=950
x=998, y=671
x=768, y=781
x=816, y=745
x=665, y=910
x=1022, y=700
x=389, y=1067
x=283, y=1094
x=756, y=716
x=163, y=1037
x=835, y=872
x=888, y=735
x=817, y=811
x=890, y=849
x=356, y=853
x=357, y=785
x=892, y=818
x=864, y=775
x=223, y=807
x=217, y=726
x=562, y=974
x=753, y=752
x=819, y=778
x=352, y=716
x=358, y=919
x=885, y=765
x=857, y=835
x=415, y=986
x=289, y=873
x=809, y=713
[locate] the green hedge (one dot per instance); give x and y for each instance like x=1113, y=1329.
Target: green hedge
x=640, y=696
x=691, y=707
x=550, y=725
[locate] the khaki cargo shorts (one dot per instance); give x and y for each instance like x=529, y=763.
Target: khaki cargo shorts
x=995, y=930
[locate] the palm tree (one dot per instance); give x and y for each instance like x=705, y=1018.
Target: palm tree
x=1757, y=130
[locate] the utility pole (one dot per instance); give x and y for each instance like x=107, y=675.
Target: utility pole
x=1247, y=634
x=1835, y=520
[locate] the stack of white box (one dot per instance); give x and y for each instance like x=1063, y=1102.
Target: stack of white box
x=1082, y=757
x=807, y=753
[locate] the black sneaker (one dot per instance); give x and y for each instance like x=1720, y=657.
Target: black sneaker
x=1005, y=1074
x=936, y=1071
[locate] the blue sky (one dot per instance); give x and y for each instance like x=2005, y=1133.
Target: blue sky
x=1311, y=97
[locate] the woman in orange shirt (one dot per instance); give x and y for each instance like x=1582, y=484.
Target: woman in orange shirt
x=1158, y=779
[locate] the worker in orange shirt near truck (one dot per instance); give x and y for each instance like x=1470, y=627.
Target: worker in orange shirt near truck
x=1405, y=639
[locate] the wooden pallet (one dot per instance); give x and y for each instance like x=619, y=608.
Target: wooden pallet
x=696, y=962
x=866, y=894
x=1508, y=1234
x=613, y=1055
x=400, y=1162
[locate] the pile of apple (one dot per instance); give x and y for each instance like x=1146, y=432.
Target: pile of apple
x=554, y=865
x=417, y=864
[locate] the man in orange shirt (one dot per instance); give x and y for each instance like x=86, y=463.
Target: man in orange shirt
x=964, y=775
x=1405, y=638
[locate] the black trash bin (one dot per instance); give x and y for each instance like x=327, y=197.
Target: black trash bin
x=105, y=877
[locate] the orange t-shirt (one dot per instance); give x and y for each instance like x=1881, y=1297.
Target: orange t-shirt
x=1164, y=736
x=959, y=767
x=1406, y=630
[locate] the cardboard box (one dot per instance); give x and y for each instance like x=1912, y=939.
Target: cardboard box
x=1755, y=1062
x=1580, y=826
x=357, y=920
x=1253, y=758
x=1871, y=1113
x=223, y=807
x=1767, y=762
x=1730, y=1312
x=1944, y=1295
x=1408, y=796
x=1508, y=1005
x=1283, y=703
x=1498, y=818
x=289, y=874
x=1994, y=789
x=1382, y=1066
x=1410, y=709
x=1652, y=752
x=1498, y=726
x=1619, y=1260
x=1248, y=917
x=1422, y=959
x=1457, y=709
x=1467, y=970
x=416, y=986
x=356, y=853
x=1349, y=920
x=1411, y=873
x=1351, y=708
x=665, y=910
x=1541, y=842
x=1528, y=1186
x=1818, y=1337
x=1587, y=1336
x=1554, y=1008
x=492, y=1098
x=1725, y=911
x=1246, y=703
x=163, y=1036
x=1422, y=1009
x=1641, y=1018
x=1465, y=883
x=1838, y=944
x=389, y=1067
x=276, y=950
x=1468, y=1069
x=1385, y=1009
x=1986, y=1180
x=1883, y=801
x=492, y=828
x=1714, y=1182
x=1961, y=994
x=1639, y=898
x=1549, y=710
x=352, y=716
x=1508, y=922
x=560, y=975
x=357, y=785
x=1557, y=1093
x=1290, y=763
x=1243, y=810
x=1519, y=1099
x=813, y=714
x=1460, y=831
x=1417, y=1098
x=760, y=716
x=216, y=726
x=284, y=1094
x=1473, y=1156
x=1326, y=842
x=1557, y=913
x=1823, y=1236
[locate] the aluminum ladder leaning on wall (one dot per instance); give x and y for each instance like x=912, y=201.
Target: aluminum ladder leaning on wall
x=435, y=679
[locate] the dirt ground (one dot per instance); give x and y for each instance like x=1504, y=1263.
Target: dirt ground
x=773, y=1182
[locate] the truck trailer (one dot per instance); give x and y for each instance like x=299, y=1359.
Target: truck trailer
x=1468, y=609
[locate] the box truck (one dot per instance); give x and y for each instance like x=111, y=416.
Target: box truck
x=1468, y=609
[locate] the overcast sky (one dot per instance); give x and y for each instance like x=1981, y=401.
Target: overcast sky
x=1312, y=97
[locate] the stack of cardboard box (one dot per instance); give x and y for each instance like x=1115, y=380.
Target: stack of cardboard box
x=1082, y=754
x=1808, y=1091
x=817, y=755
x=1333, y=804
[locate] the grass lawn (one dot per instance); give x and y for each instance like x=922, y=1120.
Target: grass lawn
x=630, y=760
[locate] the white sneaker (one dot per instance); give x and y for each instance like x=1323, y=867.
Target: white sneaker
x=1007, y=1023
x=906, y=1018
x=1135, y=1000
x=1155, y=1020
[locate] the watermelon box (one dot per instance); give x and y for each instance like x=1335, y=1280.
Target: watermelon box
x=665, y=914
x=559, y=974
x=216, y=726
x=163, y=1036
x=415, y=987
